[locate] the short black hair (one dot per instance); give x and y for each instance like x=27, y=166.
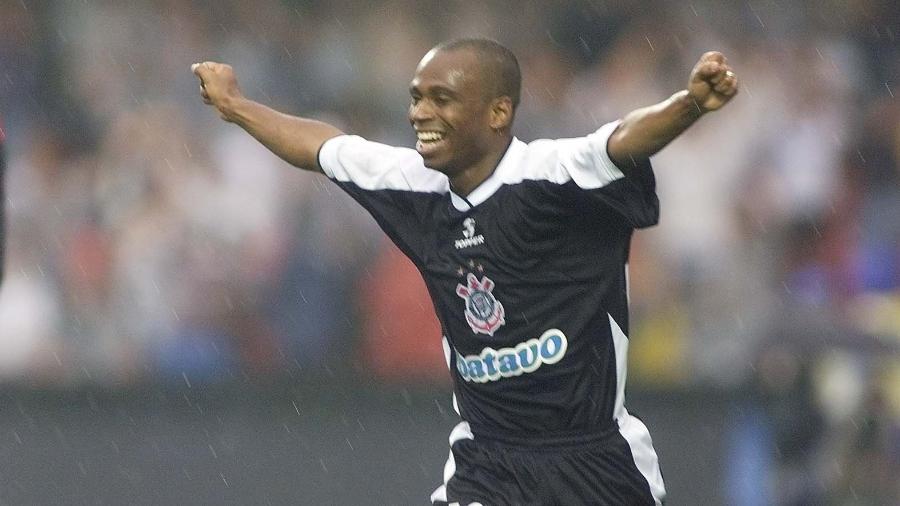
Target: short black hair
x=499, y=66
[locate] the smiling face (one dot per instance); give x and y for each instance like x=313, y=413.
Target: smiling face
x=455, y=118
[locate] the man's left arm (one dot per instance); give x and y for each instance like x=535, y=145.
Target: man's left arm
x=643, y=132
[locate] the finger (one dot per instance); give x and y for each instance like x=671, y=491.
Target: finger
x=713, y=56
x=720, y=75
x=711, y=71
x=732, y=89
x=724, y=84
x=203, y=70
x=195, y=69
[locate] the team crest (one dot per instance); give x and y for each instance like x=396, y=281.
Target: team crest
x=483, y=311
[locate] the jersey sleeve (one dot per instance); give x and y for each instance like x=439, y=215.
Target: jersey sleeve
x=391, y=183
x=629, y=191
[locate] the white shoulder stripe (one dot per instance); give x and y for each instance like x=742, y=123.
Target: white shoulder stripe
x=584, y=160
x=375, y=166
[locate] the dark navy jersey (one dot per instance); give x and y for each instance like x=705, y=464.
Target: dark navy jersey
x=528, y=276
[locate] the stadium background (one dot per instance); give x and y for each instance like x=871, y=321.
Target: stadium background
x=187, y=320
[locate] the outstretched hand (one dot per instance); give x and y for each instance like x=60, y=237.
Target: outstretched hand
x=218, y=86
x=712, y=83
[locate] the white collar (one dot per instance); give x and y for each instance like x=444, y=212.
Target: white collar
x=489, y=186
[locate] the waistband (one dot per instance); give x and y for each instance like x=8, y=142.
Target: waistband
x=561, y=440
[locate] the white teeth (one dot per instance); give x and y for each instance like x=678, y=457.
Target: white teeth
x=429, y=136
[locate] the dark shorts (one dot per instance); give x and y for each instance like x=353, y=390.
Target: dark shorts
x=588, y=472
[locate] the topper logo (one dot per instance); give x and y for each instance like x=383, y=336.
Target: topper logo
x=468, y=228
x=469, y=237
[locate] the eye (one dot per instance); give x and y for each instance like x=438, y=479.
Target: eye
x=442, y=100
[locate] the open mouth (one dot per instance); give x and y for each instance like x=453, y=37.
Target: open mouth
x=428, y=141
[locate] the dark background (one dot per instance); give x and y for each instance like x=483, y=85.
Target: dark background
x=290, y=444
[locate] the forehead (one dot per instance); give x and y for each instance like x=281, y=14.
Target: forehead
x=455, y=69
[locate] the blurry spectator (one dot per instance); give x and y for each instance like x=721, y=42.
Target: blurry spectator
x=868, y=456
x=776, y=440
x=401, y=334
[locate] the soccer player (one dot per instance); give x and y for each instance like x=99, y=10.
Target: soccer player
x=524, y=250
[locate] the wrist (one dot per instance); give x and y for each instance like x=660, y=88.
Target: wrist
x=688, y=107
x=234, y=109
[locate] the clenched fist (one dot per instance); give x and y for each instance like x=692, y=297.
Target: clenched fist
x=218, y=86
x=712, y=83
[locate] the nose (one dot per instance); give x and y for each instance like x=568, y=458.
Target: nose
x=420, y=111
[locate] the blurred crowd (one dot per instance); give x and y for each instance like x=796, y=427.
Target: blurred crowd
x=149, y=239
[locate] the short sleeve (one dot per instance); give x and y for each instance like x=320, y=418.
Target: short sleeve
x=628, y=191
x=391, y=183
x=374, y=166
x=586, y=159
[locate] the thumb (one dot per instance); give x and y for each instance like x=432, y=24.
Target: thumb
x=195, y=69
x=202, y=70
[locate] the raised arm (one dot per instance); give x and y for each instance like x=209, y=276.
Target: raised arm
x=645, y=131
x=295, y=140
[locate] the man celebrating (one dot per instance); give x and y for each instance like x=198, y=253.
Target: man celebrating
x=524, y=250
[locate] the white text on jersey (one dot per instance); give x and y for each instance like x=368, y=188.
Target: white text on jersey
x=470, y=239
x=492, y=365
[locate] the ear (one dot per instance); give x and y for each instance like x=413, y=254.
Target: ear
x=501, y=113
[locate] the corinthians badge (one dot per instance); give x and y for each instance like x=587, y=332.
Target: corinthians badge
x=483, y=311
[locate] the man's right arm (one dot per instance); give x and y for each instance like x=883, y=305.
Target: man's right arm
x=295, y=140
x=643, y=132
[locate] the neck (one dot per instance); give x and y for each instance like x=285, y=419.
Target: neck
x=468, y=179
